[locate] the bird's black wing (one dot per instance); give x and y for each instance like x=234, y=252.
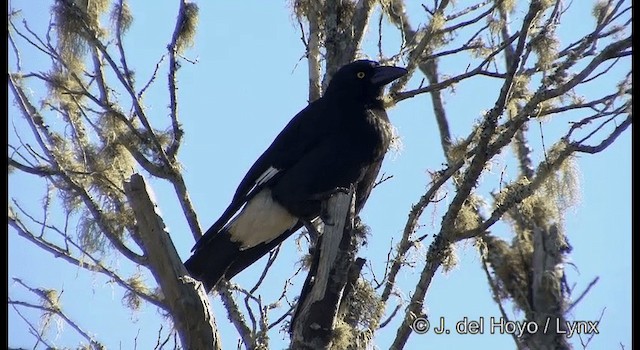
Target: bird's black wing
x=305, y=130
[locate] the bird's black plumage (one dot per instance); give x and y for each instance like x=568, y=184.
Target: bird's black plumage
x=336, y=141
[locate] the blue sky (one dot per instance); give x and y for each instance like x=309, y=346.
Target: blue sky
x=250, y=79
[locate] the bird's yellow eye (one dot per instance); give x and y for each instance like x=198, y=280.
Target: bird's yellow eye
x=360, y=75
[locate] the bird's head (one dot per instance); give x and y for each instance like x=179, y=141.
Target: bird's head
x=363, y=80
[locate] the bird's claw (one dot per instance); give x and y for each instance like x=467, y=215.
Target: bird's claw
x=344, y=190
x=323, y=196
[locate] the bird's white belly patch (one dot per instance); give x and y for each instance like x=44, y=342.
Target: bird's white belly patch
x=260, y=221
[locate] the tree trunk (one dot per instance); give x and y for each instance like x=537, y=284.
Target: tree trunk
x=547, y=290
x=318, y=310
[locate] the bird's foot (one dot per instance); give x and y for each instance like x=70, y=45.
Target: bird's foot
x=323, y=196
x=344, y=190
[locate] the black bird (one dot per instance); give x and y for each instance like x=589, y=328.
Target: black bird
x=336, y=141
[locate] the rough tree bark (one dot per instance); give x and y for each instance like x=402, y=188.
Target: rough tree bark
x=548, y=299
x=186, y=298
x=318, y=309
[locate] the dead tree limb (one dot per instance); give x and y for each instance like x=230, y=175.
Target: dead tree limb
x=318, y=309
x=187, y=299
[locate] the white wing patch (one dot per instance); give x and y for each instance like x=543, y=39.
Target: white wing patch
x=267, y=175
x=261, y=221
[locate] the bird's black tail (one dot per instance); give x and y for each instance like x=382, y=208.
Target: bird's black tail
x=211, y=261
x=220, y=257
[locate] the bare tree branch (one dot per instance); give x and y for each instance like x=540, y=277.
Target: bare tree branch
x=65, y=254
x=51, y=306
x=186, y=298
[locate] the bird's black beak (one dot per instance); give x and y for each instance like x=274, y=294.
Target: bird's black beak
x=383, y=75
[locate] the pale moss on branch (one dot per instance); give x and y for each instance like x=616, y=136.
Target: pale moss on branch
x=601, y=10
x=121, y=16
x=364, y=310
x=468, y=218
x=187, y=27
x=519, y=94
x=458, y=150
x=479, y=49
x=510, y=264
x=131, y=297
x=506, y=6
x=564, y=185
x=436, y=25
x=495, y=25
x=450, y=259
x=545, y=45
x=90, y=236
x=75, y=21
x=50, y=300
x=545, y=4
